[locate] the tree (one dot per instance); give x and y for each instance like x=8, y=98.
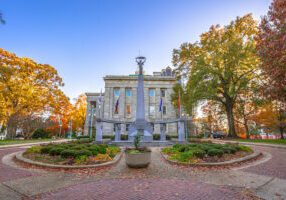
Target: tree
x=27, y=88
x=79, y=111
x=245, y=107
x=1, y=19
x=271, y=46
x=271, y=116
x=221, y=65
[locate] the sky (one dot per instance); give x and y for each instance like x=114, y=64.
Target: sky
x=86, y=40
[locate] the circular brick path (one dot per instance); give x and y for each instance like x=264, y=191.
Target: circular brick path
x=129, y=189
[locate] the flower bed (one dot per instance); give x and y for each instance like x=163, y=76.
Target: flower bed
x=205, y=152
x=73, y=153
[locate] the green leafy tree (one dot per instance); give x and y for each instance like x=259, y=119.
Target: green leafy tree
x=222, y=65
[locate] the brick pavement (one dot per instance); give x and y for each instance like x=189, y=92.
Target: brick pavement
x=139, y=189
x=8, y=173
x=275, y=167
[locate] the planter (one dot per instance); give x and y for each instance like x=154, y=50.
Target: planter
x=138, y=160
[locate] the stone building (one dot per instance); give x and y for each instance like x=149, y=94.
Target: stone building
x=124, y=89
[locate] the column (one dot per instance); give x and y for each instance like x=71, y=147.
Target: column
x=117, y=132
x=163, y=130
x=181, y=131
x=99, y=127
x=87, y=119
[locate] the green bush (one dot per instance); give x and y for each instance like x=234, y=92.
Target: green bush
x=156, y=137
x=69, y=153
x=198, y=153
x=124, y=137
x=81, y=159
x=245, y=148
x=56, y=151
x=34, y=149
x=84, y=152
x=215, y=152
x=82, y=137
x=46, y=149
x=41, y=133
x=186, y=156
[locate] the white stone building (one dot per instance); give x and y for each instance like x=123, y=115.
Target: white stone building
x=156, y=86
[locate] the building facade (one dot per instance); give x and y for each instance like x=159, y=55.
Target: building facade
x=119, y=101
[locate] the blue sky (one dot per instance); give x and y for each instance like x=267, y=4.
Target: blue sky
x=88, y=39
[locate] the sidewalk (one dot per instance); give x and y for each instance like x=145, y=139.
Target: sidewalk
x=33, y=143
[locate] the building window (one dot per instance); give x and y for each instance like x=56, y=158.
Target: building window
x=164, y=110
x=93, y=103
x=128, y=92
x=163, y=92
x=127, y=127
x=152, y=92
x=152, y=110
x=116, y=92
x=128, y=109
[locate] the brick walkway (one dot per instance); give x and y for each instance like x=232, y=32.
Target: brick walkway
x=8, y=173
x=139, y=189
x=159, y=181
x=275, y=167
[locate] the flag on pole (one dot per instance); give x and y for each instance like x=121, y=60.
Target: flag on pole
x=161, y=105
x=116, y=105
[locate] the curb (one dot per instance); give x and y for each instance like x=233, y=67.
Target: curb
x=19, y=156
x=31, y=144
x=239, y=160
x=249, y=143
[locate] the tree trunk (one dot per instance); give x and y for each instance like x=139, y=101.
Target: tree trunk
x=11, y=127
x=230, y=119
x=246, y=128
x=281, y=133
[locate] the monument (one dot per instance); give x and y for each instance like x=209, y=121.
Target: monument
x=140, y=126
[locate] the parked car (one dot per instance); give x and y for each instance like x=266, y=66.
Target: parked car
x=219, y=134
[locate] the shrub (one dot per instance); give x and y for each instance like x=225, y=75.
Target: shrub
x=102, y=157
x=34, y=149
x=156, y=137
x=56, y=151
x=215, y=152
x=112, y=151
x=245, y=148
x=186, y=156
x=198, y=153
x=82, y=137
x=80, y=159
x=177, y=146
x=69, y=153
x=40, y=133
x=46, y=149
x=124, y=137
x=84, y=152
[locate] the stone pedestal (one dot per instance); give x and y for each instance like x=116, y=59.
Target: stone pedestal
x=162, y=131
x=117, y=132
x=181, y=131
x=99, y=127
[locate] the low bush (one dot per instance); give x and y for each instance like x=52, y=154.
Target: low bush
x=46, y=149
x=182, y=152
x=56, y=151
x=68, y=153
x=34, y=149
x=83, y=137
x=215, y=152
x=186, y=156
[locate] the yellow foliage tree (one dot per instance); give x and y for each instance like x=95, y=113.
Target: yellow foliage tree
x=27, y=88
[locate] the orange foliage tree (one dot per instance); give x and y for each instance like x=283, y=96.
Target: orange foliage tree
x=271, y=116
x=27, y=88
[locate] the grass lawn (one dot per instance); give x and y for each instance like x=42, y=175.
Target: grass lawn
x=278, y=141
x=7, y=142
